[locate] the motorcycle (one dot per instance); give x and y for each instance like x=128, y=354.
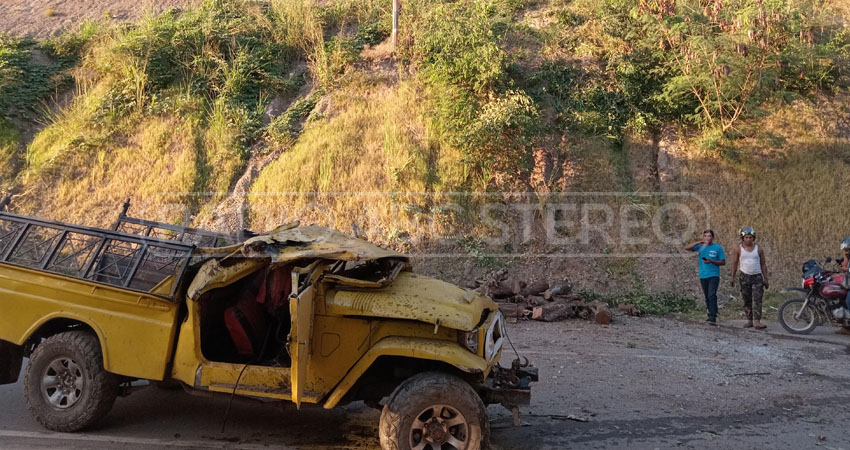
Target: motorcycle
x=823, y=301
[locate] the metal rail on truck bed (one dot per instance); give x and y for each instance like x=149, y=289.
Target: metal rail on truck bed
x=129, y=261
x=196, y=236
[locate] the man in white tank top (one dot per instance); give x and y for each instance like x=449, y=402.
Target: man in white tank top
x=753, y=276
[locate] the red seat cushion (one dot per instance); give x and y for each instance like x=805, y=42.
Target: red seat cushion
x=246, y=323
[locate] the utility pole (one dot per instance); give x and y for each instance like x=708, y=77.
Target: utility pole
x=395, y=23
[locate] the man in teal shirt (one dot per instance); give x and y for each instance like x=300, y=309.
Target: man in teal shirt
x=711, y=257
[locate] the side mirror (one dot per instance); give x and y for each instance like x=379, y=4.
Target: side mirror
x=839, y=261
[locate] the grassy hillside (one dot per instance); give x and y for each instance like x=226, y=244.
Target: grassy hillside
x=305, y=110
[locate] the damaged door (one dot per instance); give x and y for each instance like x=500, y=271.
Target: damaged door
x=301, y=309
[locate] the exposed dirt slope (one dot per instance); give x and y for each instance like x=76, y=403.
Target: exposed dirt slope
x=44, y=18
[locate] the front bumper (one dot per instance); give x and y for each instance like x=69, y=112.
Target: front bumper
x=509, y=387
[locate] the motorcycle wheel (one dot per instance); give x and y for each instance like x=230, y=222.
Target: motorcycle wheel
x=797, y=320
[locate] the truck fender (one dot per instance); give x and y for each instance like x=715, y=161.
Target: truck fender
x=65, y=316
x=417, y=348
x=796, y=289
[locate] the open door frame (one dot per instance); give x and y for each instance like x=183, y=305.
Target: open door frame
x=301, y=309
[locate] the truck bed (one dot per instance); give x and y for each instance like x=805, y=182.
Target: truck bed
x=124, y=287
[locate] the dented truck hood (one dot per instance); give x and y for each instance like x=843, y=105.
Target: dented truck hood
x=415, y=297
x=314, y=242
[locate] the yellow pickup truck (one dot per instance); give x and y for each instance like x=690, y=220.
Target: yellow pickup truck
x=300, y=314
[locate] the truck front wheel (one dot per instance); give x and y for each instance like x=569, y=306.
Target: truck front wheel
x=66, y=387
x=434, y=411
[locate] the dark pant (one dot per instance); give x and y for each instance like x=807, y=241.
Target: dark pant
x=709, y=289
x=847, y=299
x=752, y=291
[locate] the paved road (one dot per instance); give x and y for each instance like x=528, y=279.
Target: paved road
x=154, y=418
x=640, y=383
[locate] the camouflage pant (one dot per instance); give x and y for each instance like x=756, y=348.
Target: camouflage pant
x=752, y=290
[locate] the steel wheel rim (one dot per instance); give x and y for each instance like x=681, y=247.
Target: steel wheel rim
x=62, y=383
x=798, y=316
x=439, y=427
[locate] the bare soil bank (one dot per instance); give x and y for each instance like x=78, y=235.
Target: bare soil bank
x=45, y=18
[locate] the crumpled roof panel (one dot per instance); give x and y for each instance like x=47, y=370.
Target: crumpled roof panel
x=314, y=242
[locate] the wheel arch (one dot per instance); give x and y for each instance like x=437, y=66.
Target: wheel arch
x=433, y=355
x=96, y=388
x=55, y=324
x=434, y=391
x=796, y=289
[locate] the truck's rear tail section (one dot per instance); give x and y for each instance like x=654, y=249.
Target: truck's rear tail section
x=121, y=287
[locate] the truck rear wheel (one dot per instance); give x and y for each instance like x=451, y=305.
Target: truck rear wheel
x=66, y=387
x=434, y=411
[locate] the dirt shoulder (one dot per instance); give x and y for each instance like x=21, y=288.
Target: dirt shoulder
x=44, y=18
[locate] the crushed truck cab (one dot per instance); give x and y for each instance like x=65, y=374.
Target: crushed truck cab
x=305, y=315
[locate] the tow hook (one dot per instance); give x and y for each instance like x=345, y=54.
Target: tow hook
x=511, y=387
x=524, y=374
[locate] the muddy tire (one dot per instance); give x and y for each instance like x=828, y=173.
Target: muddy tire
x=66, y=387
x=434, y=411
x=796, y=320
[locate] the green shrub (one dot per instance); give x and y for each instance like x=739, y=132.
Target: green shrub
x=586, y=102
x=25, y=83
x=474, y=106
x=657, y=304
x=222, y=50
x=9, y=152
x=285, y=128
x=458, y=46
x=68, y=47
x=340, y=53
x=502, y=133
x=646, y=63
x=218, y=64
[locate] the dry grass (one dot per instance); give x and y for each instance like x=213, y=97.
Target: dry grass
x=589, y=166
x=158, y=158
x=9, y=153
x=356, y=164
x=110, y=143
x=788, y=184
x=223, y=156
x=303, y=29
x=795, y=213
